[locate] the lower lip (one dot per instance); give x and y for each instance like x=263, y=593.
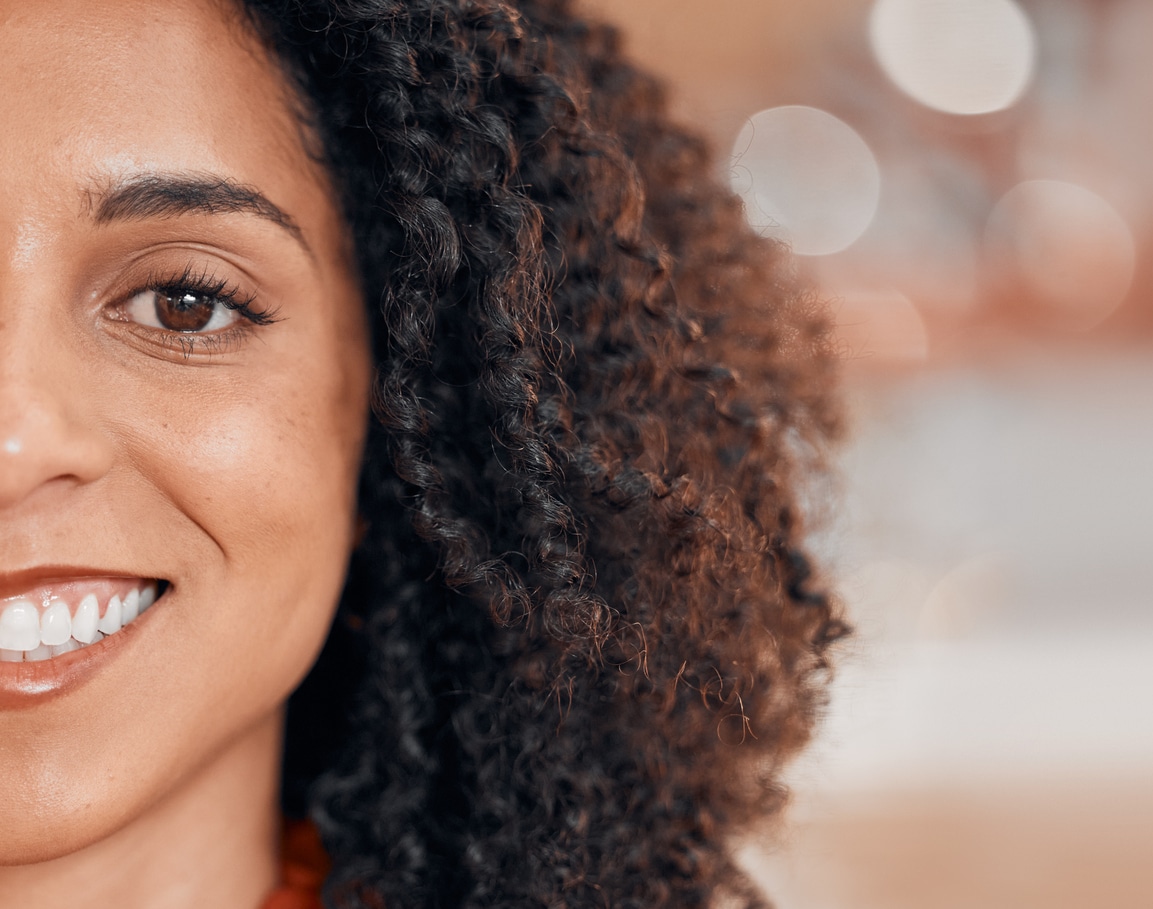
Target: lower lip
x=28, y=684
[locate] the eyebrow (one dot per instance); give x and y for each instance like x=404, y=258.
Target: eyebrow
x=171, y=195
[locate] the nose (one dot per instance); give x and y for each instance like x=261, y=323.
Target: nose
x=45, y=440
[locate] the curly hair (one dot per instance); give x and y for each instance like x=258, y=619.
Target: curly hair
x=581, y=632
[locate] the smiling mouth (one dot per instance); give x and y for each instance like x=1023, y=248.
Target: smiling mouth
x=55, y=619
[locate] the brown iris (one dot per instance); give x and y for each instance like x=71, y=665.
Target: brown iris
x=184, y=312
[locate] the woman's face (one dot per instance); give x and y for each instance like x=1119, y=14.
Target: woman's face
x=183, y=396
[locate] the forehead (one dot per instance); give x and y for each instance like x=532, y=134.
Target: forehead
x=94, y=89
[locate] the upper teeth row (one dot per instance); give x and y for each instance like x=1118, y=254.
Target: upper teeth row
x=24, y=628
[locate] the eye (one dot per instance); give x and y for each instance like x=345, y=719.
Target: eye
x=180, y=310
x=191, y=311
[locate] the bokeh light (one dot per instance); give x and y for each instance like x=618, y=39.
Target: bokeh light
x=806, y=177
x=1066, y=247
x=965, y=597
x=957, y=56
x=879, y=326
x=925, y=240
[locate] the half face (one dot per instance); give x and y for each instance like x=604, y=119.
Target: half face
x=183, y=396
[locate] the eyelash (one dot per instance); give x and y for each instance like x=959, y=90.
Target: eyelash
x=200, y=282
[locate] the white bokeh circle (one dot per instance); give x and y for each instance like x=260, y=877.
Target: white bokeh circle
x=957, y=56
x=1068, y=246
x=806, y=177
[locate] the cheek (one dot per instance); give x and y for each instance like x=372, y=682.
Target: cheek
x=253, y=466
x=264, y=472
x=257, y=475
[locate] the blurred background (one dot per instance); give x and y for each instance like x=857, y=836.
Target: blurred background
x=970, y=184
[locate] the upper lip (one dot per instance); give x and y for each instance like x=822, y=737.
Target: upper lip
x=16, y=582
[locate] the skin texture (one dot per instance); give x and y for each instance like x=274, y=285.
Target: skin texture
x=227, y=468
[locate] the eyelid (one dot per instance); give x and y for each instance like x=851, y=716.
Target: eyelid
x=202, y=279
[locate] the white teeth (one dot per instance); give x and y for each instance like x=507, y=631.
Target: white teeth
x=42, y=652
x=86, y=618
x=27, y=634
x=131, y=607
x=19, y=626
x=110, y=622
x=56, y=624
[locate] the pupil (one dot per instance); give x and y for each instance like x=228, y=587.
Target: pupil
x=186, y=312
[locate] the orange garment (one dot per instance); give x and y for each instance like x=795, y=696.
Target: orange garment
x=303, y=867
